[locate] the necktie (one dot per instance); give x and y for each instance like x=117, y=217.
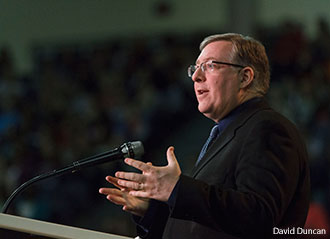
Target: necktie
x=213, y=135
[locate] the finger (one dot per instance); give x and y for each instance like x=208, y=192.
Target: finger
x=137, y=164
x=107, y=191
x=137, y=177
x=104, y=191
x=127, y=209
x=114, y=195
x=116, y=199
x=140, y=194
x=130, y=210
x=171, y=158
x=113, y=181
x=130, y=185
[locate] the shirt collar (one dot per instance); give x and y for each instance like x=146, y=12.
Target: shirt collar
x=223, y=123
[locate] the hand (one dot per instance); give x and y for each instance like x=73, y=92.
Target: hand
x=134, y=205
x=154, y=182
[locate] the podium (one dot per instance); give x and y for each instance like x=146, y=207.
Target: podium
x=22, y=228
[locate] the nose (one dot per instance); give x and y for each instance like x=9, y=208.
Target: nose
x=198, y=75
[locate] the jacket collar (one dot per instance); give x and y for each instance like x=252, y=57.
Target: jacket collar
x=229, y=132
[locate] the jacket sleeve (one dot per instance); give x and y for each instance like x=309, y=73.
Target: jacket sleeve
x=152, y=225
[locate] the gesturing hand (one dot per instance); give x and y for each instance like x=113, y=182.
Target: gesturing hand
x=134, y=205
x=154, y=182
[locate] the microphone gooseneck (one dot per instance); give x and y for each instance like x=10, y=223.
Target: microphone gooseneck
x=131, y=150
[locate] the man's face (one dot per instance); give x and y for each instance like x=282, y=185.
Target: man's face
x=217, y=92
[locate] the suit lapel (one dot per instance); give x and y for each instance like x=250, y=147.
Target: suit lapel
x=229, y=133
x=218, y=145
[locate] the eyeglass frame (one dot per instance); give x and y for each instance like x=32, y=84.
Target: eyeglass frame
x=190, y=74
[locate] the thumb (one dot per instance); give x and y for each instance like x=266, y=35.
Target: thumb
x=171, y=159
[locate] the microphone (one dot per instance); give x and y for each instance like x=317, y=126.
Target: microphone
x=131, y=149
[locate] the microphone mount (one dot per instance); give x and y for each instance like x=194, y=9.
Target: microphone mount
x=130, y=149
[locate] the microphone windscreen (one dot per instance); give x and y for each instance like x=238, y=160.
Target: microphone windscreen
x=133, y=149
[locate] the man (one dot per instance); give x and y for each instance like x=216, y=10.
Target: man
x=251, y=178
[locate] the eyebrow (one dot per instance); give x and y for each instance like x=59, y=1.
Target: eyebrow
x=205, y=60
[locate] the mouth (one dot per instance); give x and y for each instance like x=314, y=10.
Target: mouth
x=201, y=92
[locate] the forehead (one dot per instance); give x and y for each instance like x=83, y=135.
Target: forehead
x=218, y=50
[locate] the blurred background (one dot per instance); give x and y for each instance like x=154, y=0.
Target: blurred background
x=81, y=77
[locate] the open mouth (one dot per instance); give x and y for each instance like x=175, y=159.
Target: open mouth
x=201, y=92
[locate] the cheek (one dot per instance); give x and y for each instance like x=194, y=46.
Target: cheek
x=220, y=90
x=223, y=91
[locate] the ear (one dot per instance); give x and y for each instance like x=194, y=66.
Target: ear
x=246, y=77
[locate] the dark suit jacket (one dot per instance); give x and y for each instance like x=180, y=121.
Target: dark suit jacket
x=253, y=178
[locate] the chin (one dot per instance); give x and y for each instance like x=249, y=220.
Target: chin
x=205, y=112
x=202, y=109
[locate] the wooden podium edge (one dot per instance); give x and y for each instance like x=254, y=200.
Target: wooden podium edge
x=53, y=230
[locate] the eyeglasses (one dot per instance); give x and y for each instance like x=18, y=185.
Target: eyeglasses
x=208, y=66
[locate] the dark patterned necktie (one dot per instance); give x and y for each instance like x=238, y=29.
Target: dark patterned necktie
x=213, y=135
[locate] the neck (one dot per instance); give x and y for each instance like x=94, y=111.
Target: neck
x=248, y=96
